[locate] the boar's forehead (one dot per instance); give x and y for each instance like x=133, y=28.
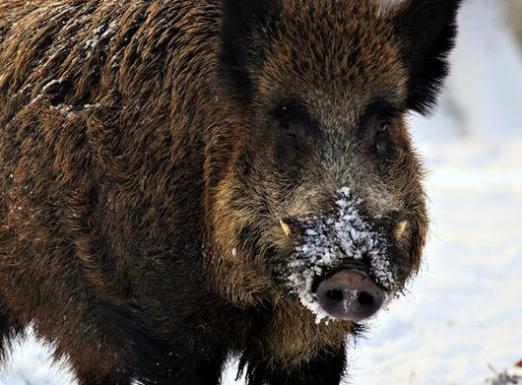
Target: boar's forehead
x=340, y=54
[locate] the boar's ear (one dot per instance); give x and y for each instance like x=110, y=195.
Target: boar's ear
x=244, y=34
x=427, y=30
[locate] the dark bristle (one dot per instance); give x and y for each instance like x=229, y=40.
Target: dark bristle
x=429, y=31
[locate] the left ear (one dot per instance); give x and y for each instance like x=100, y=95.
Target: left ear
x=241, y=43
x=427, y=31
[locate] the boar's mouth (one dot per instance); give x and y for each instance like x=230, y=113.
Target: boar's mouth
x=334, y=249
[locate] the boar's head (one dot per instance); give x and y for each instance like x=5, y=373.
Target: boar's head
x=321, y=196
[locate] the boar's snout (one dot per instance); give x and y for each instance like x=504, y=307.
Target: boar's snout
x=350, y=295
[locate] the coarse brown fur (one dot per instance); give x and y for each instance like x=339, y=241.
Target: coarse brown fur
x=139, y=188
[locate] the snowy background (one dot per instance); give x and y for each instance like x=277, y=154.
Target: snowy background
x=462, y=320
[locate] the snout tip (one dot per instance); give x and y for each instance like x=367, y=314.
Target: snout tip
x=350, y=295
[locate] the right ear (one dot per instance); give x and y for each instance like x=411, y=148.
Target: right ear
x=245, y=26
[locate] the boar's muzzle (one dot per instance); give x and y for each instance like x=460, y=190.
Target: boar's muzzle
x=340, y=266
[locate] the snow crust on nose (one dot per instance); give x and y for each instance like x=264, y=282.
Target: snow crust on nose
x=330, y=240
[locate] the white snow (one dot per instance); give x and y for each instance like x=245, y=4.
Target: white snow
x=462, y=314
x=100, y=33
x=50, y=84
x=32, y=365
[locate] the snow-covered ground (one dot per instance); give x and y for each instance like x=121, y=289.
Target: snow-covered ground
x=463, y=313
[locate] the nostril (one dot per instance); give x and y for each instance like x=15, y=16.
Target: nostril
x=335, y=295
x=365, y=299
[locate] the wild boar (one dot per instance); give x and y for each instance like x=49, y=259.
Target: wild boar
x=185, y=180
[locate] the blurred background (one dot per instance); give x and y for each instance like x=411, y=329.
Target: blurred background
x=461, y=322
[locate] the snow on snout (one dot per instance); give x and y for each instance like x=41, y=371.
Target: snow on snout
x=328, y=242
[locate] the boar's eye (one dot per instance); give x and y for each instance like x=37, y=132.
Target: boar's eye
x=383, y=143
x=295, y=133
x=383, y=126
x=287, y=145
x=378, y=122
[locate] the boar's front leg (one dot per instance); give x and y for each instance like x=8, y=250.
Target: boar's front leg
x=93, y=379
x=193, y=371
x=326, y=368
x=204, y=369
